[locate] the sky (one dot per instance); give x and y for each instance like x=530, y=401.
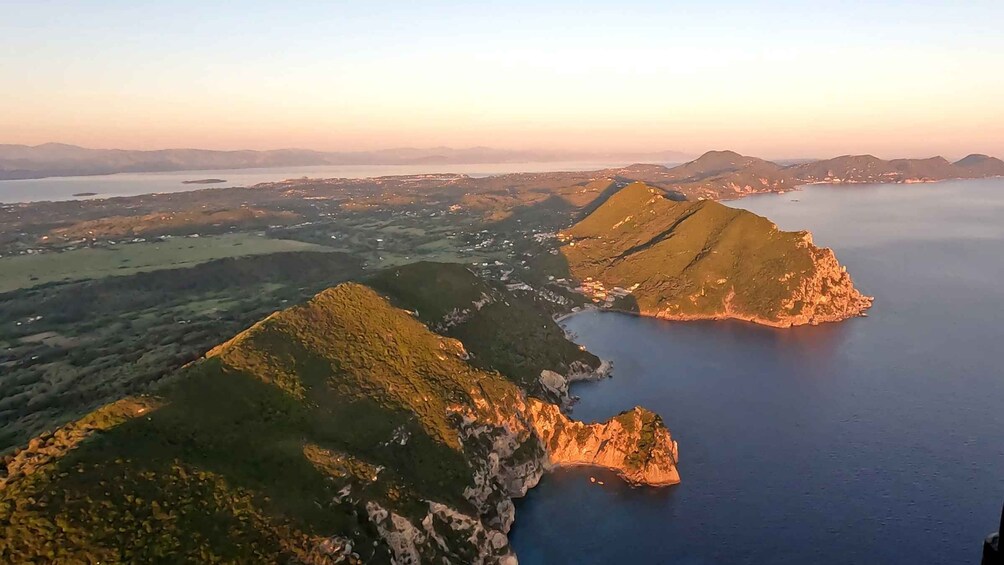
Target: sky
x=774, y=78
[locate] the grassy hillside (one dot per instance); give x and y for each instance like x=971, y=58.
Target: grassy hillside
x=68, y=348
x=263, y=450
x=701, y=260
x=509, y=332
x=341, y=430
x=175, y=223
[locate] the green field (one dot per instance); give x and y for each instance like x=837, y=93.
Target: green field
x=25, y=271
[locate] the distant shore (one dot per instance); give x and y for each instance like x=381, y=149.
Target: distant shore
x=203, y=181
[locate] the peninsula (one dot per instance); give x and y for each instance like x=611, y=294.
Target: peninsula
x=342, y=430
x=204, y=181
x=643, y=252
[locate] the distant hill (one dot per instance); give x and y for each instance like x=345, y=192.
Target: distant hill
x=871, y=169
x=714, y=175
x=703, y=260
x=342, y=430
x=719, y=175
x=57, y=159
x=867, y=168
x=978, y=165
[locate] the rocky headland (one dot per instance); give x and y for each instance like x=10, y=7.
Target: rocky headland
x=343, y=430
x=646, y=253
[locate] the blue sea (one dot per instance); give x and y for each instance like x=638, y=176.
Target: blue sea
x=879, y=440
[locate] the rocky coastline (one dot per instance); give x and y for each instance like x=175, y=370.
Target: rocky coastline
x=826, y=294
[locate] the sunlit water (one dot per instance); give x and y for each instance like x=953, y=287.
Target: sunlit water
x=878, y=440
x=133, y=184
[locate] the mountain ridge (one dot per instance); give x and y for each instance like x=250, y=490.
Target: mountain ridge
x=341, y=430
x=60, y=159
x=718, y=175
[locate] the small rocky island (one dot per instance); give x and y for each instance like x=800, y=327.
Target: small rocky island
x=204, y=181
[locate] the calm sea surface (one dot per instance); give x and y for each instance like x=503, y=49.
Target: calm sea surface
x=133, y=184
x=878, y=440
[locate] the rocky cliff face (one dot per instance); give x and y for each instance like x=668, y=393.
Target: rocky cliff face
x=557, y=384
x=635, y=444
x=510, y=447
x=827, y=294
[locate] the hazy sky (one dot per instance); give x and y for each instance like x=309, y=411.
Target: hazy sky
x=780, y=79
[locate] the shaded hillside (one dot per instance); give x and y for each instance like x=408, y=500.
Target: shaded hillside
x=703, y=260
x=977, y=165
x=511, y=332
x=339, y=431
x=68, y=348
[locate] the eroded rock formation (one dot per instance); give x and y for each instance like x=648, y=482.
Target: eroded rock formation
x=635, y=444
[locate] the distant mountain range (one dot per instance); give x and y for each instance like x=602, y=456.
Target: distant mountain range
x=714, y=175
x=57, y=159
x=727, y=174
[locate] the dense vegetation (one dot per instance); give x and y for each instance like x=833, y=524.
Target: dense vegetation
x=509, y=332
x=244, y=456
x=67, y=348
x=175, y=223
x=688, y=257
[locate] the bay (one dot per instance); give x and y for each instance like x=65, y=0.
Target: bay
x=876, y=440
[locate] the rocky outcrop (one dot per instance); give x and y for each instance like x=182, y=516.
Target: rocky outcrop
x=634, y=444
x=510, y=448
x=555, y=383
x=579, y=371
x=442, y=535
x=827, y=294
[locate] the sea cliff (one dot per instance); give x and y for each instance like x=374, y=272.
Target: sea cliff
x=635, y=444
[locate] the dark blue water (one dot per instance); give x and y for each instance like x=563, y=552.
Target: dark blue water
x=877, y=440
